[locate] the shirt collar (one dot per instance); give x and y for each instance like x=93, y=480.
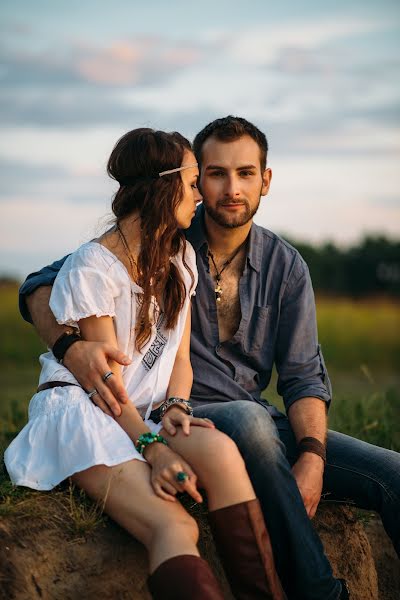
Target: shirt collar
x=196, y=234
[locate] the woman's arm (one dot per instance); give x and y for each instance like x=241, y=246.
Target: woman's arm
x=181, y=380
x=165, y=462
x=180, y=386
x=101, y=329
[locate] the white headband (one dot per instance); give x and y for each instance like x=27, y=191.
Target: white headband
x=176, y=170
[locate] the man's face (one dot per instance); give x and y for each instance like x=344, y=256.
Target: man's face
x=232, y=181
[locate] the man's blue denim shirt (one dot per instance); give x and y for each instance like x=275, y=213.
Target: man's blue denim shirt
x=278, y=325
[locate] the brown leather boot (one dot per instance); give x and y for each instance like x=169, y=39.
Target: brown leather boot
x=184, y=577
x=245, y=550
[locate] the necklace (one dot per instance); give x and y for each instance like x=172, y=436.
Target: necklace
x=218, y=289
x=128, y=253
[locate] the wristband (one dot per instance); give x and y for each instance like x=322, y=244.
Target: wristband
x=145, y=439
x=65, y=340
x=311, y=444
x=181, y=402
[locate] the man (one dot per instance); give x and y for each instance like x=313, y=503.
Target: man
x=254, y=307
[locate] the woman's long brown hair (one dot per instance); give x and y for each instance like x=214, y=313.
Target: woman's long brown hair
x=135, y=162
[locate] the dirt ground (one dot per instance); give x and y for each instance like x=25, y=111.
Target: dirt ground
x=52, y=548
x=386, y=562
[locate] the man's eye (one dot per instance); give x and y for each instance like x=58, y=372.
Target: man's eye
x=217, y=173
x=246, y=173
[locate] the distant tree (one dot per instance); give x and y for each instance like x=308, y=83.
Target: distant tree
x=371, y=267
x=8, y=281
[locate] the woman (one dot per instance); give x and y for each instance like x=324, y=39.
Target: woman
x=132, y=288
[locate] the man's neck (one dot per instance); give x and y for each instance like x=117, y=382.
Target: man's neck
x=225, y=240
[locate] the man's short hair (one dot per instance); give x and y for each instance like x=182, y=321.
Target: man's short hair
x=229, y=129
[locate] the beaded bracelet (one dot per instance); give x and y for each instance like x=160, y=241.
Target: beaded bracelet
x=145, y=439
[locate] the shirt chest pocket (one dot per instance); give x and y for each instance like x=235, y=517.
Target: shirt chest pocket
x=259, y=335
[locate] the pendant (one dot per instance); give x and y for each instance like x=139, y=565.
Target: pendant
x=218, y=292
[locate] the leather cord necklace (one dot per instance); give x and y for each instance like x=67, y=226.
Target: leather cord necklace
x=218, y=289
x=128, y=253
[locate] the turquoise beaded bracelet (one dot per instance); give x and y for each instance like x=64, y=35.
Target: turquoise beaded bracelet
x=145, y=439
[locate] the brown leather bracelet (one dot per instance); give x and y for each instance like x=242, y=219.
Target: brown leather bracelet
x=65, y=340
x=311, y=444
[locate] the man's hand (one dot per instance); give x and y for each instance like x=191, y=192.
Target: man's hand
x=308, y=472
x=88, y=362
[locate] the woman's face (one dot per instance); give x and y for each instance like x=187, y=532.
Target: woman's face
x=186, y=209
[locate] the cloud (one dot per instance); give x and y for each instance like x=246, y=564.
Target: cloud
x=309, y=76
x=51, y=183
x=120, y=63
x=265, y=44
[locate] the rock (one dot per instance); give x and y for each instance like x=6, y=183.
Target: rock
x=348, y=549
x=43, y=555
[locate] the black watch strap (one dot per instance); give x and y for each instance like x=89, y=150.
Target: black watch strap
x=64, y=342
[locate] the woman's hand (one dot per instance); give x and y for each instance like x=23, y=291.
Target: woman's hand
x=175, y=417
x=165, y=466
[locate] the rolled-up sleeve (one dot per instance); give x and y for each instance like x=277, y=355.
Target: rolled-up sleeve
x=45, y=276
x=299, y=361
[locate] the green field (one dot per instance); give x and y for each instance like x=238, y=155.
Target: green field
x=360, y=341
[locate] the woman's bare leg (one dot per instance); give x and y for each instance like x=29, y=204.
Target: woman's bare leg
x=125, y=491
x=235, y=514
x=217, y=463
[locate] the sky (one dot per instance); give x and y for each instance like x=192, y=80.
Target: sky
x=321, y=79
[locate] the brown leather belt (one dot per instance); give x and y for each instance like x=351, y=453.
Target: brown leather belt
x=52, y=384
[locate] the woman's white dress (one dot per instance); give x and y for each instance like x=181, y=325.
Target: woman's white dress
x=66, y=432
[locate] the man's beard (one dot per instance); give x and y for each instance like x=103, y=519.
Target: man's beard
x=231, y=221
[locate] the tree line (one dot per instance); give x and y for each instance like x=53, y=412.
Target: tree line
x=370, y=268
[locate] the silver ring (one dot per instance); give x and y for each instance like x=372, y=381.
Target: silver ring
x=107, y=375
x=92, y=393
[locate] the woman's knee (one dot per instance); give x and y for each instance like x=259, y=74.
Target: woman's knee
x=220, y=453
x=182, y=526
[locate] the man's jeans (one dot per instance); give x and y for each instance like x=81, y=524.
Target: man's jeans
x=356, y=472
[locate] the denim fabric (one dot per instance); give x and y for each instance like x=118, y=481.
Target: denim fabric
x=356, y=472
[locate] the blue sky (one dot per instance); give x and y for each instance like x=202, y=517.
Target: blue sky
x=321, y=79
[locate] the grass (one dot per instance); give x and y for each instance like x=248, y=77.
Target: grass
x=361, y=346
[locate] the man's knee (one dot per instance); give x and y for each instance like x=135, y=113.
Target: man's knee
x=251, y=427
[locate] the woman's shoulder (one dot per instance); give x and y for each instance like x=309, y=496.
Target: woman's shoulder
x=92, y=255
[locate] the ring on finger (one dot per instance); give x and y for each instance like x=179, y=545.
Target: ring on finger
x=181, y=476
x=92, y=393
x=107, y=375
